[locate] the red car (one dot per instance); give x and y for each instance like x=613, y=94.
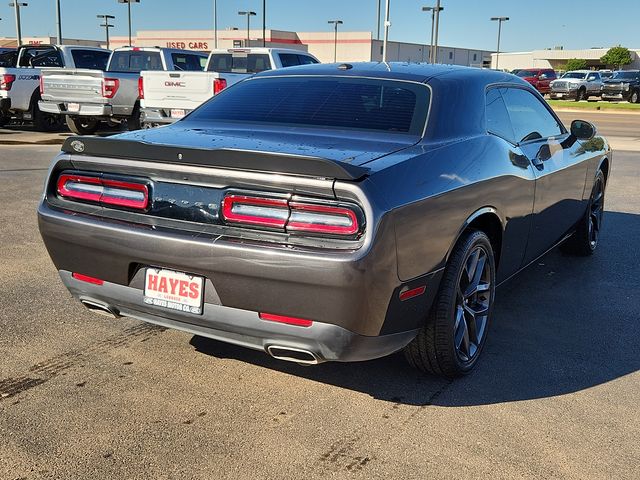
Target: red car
x=540, y=78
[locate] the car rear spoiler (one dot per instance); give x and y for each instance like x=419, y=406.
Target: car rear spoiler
x=224, y=158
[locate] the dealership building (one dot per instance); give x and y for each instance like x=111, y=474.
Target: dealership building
x=350, y=46
x=556, y=58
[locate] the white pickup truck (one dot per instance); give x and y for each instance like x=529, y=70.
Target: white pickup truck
x=168, y=96
x=89, y=97
x=20, y=74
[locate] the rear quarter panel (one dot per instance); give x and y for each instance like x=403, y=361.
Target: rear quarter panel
x=434, y=190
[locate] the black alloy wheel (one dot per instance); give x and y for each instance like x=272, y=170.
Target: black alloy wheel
x=455, y=331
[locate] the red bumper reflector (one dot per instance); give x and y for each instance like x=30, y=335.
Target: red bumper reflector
x=300, y=322
x=414, y=292
x=88, y=279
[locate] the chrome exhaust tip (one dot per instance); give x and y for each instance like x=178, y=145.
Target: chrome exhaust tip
x=100, y=308
x=290, y=354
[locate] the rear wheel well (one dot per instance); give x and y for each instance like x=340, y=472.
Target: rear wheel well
x=490, y=224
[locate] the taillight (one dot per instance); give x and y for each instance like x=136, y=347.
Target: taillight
x=258, y=211
x=6, y=81
x=308, y=217
x=291, y=216
x=110, y=87
x=219, y=84
x=41, y=85
x=104, y=191
x=141, y=88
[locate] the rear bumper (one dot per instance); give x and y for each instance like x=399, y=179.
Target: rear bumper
x=157, y=116
x=86, y=110
x=357, y=291
x=241, y=327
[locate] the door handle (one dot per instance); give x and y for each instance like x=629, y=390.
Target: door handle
x=538, y=163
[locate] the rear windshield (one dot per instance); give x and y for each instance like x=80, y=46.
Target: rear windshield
x=135, y=61
x=92, y=59
x=188, y=62
x=326, y=102
x=239, y=63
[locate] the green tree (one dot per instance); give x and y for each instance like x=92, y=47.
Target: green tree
x=617, y=57
x=576, y=64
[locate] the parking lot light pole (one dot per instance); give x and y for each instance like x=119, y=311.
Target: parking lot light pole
x=335, y=38
x=438, y=9
x=106, y=25
x=215, y=23
x=379, y=2
x=249, y=14
x=129, y=2
x=433, y=12
x=499, y=20
x=387, y=24
x=264, y=23
x=58, y=22
x=17, y=6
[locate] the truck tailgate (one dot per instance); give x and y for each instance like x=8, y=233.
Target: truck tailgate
x=72, y=85
x=181, y=90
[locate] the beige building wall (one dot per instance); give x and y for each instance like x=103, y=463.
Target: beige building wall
x=556, y=58
x=11, y=42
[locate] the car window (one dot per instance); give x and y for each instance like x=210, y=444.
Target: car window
x=289, y=59
x=132, y=61
x=186, y=62
x=50, y=59
x=306, y=60
x=32, y=53
x=593, y=76
x=498, y=121
x=527, y=73
x=9, y=59
x=91, y=59
x=326, y=102
x=239, y=62
x=530, y=118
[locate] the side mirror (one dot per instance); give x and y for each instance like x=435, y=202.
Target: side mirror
x=583, y=130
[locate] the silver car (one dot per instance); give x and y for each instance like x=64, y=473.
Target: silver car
x=577, y=85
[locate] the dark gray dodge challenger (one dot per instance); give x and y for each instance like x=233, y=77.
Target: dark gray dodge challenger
x=329, y=212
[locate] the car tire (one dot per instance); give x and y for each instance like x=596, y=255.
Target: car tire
x=580, y=94
x=46, y=122
x=451, y=341
x=584, y=240
x=635, y=97
x=4, y=121
x=134, y=122
x=82, y=125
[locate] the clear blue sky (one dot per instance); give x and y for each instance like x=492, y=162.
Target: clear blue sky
x=465, y=23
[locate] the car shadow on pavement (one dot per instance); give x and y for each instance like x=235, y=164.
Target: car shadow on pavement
x=566, y=324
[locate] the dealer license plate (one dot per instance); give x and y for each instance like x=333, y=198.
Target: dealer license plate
x=177, y=113
x=174, y=290
x=73, y=107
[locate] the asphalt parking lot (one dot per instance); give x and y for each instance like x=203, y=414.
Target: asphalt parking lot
x=557, y=394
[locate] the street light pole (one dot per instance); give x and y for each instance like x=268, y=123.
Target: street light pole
x=387, y=24
x=499, y=20
x=17, y=6
x=437, y=22
x=378, y=17
x=129, y=2
x=433, y=12
x=215, y=23
x=335, y=38
x=249, y=14
x=106, y=25
x=264, y=23
x=58, y=22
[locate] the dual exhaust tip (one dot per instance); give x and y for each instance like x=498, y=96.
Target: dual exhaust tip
x=279, y=352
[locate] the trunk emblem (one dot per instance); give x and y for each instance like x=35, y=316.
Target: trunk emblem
x=78, y=146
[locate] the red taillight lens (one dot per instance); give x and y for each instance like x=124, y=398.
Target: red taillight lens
x=141, y=88
x=110, y=87
x=88, y=279
x=292, y=216
x=262, y=212
x=6, y=81
x=300, y=322
x=219, y=84
x=103, y=190
x=332, y=220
